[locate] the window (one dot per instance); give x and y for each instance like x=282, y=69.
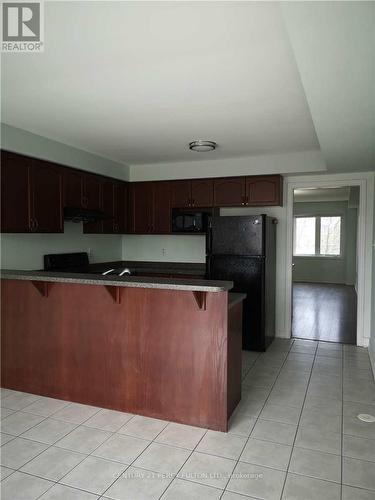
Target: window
x=317, y=236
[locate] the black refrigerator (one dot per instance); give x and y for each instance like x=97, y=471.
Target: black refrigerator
x=243, y=250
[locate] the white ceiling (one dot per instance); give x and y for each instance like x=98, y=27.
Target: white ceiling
x=334, y=44
x=135, y=82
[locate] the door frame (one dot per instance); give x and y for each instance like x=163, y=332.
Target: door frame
x=365, y=182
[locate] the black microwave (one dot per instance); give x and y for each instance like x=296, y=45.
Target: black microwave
x=185, y=221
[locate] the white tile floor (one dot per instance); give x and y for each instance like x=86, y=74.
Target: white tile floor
x=295, y=436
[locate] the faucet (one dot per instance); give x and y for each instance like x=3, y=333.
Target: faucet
x=126, y=271
x=107, y=272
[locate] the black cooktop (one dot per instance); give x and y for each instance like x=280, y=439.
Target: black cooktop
x=77, y=262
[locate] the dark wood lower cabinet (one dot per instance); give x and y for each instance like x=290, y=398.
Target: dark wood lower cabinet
x=144, y=351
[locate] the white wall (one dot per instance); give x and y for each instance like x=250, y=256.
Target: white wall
x=168, y=248
x=23, y=142
x=25, y=251
x=372, y=338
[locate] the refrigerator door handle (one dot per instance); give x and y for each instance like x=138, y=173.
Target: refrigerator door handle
x=209, y=238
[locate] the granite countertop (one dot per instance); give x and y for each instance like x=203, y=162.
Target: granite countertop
x=195, y=285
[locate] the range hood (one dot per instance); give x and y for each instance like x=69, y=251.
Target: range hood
x=84, y=215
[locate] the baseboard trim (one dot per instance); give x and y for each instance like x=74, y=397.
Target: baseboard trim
x=322, y=282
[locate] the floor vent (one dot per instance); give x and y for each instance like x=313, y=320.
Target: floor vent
x=365, y=417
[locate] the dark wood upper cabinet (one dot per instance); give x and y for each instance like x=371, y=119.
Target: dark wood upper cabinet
x=15, y=193
x=141, y=204
x=150, y=207
x=92, y=200
x=108, y=206
x=121, y=207
x=73, y=188
x=162, y=208
x=34, y=193
x=47, y=197
x=180, y=194
x=230, y=192
x=202, y=193
x=264, y=190
x=114, y=204
x=192, y=193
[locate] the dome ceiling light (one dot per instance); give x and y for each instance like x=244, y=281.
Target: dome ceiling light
x=202, y=146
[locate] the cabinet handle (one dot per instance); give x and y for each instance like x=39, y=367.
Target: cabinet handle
x=246, y=200
x=36, y=224
x=31, y=224
x=115, y=227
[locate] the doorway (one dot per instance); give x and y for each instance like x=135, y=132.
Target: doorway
x=325, y=264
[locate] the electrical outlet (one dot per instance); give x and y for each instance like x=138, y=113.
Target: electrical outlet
x=89, y=252
x=164, y=251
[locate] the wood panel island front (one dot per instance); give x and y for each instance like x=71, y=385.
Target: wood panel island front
x=163, y=348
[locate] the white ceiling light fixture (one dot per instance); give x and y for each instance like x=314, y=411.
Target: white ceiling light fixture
x=202, y=146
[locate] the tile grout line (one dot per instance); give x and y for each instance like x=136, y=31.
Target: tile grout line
x=132, y=417
x=49, y=446
x=299, y=420
x=52, y=445
x=109, y=460
x=155, y=472
x=257, y=418
x=72, y=451
x=179, y=470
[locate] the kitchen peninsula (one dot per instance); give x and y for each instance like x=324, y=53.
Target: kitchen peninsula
x=167, y=348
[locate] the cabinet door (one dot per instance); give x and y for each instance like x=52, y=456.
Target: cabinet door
x=181, y=194
x=47, y=193
x=93, y=192
x=202, y=193
x=121, y=207
x=73, y=188
x=141, y=205
x=15, y=193
x=264, y=190
x=92, y=199
x=229, y=192
x=108, y=206
x=162, y=208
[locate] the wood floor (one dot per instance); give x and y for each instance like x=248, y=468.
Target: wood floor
x=324, y=312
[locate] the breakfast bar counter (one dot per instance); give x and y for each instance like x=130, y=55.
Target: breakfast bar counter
x=167, y=348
